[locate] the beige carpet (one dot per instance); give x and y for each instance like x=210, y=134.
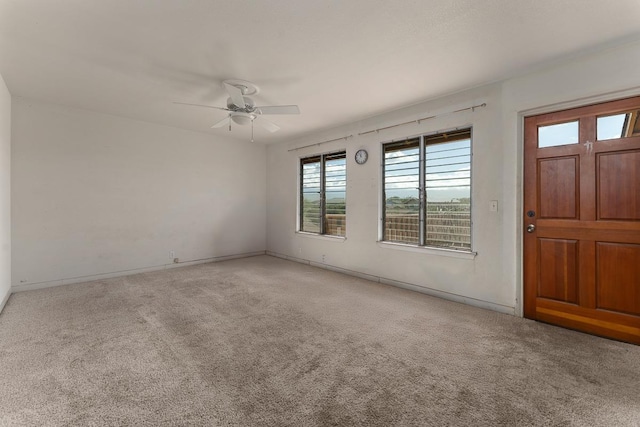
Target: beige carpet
x=263, y=341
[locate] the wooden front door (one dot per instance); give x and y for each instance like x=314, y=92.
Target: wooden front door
x=582, y=219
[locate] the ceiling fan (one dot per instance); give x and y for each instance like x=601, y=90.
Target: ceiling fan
x=243, y=110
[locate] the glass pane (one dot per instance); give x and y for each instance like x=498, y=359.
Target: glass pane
x=622, y=125
x=560, y=134
x=448, y=188
x=335, y=191
x=310, y=203
x=401, y=187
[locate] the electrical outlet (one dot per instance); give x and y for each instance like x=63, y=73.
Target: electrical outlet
x=172, y=254
x=323, y=258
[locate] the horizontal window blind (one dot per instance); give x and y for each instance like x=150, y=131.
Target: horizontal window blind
x=427, y=190
x=311, y=183
x=448, y=191
x=323, y=194
x=402, y=191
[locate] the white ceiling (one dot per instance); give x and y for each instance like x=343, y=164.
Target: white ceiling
x=340, y=61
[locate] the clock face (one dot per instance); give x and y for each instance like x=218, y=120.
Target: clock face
x=361, y=157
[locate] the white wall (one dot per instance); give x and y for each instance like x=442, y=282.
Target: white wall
x=587, y=79
x=96, y=195
x=5, y=193
x=493, y=278
x=478, y=279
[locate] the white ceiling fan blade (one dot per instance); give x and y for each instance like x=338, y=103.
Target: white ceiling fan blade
x=200, y=105
x=235, y=94
x=279, y=109
x=271, y=127
x=221, y=123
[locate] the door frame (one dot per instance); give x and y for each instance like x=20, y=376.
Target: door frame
x=535, y=111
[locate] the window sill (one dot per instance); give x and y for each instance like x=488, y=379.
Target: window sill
x=428, y=250
x=329, y=237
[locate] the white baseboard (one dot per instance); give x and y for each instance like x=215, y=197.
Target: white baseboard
x=500, y=308
x=102, y=276
x=4, y=300
x=422, y=289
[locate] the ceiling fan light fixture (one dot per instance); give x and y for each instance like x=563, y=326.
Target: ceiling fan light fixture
x=243, y=119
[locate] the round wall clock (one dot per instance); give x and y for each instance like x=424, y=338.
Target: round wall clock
x=361, y=157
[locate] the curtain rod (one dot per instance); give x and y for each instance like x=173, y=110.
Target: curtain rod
x=323, y=142
x=472, y=108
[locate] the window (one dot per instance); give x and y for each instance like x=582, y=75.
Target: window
x=620, y=125
x=427, y=191
x=558, y=134
x=323, y=186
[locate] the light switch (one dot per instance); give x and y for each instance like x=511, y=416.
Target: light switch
x=493, y=206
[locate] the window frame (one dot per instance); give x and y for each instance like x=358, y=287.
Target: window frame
x=422, y=145
x=322, y=158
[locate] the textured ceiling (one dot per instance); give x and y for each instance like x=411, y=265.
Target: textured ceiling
x=340, y=61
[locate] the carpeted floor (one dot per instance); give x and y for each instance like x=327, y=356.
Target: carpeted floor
x=264, y=341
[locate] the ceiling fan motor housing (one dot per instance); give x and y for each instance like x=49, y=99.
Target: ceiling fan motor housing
x=250, y=105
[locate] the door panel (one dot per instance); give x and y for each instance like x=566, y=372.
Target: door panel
x=619, y=185
x=618, y=274
x=582, y=219
x=558, y=191
x=558, y=270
